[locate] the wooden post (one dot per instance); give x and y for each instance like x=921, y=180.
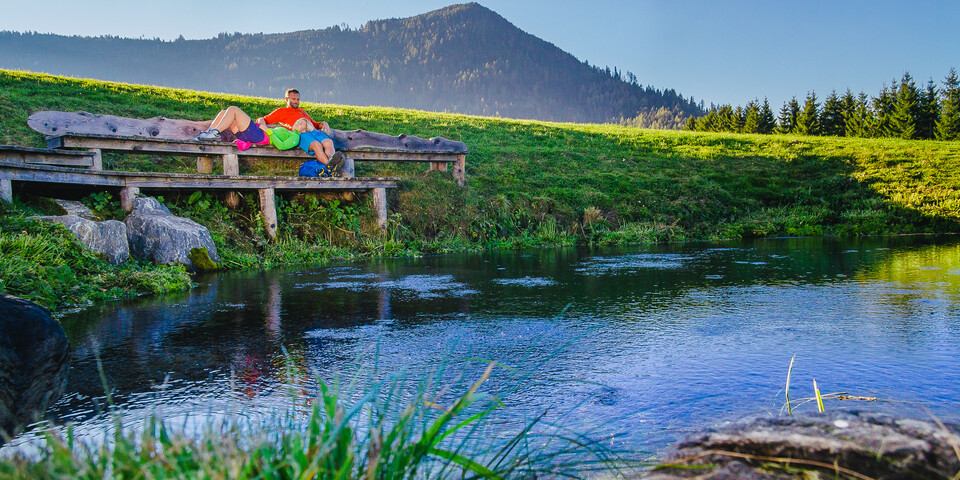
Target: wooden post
x=458, y=169
x=204, y=165
x=127, y=196
x=380, y=206
x=6, y=190
x=97, y=159
x=231, y=167
x=349, y=168
x=438, y=166
x=268, y=207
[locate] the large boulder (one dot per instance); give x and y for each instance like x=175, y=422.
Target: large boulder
x=834, y=445
x=107, y=238
x=34, y=361
x=157, y=235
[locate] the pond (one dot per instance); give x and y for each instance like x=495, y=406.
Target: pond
x=640, y=345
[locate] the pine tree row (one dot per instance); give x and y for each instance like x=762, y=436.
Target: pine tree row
x=900, y=111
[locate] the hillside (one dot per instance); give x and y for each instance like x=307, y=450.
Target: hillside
x=463, y=58
x=529, y=183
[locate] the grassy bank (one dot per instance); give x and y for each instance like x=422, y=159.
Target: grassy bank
x=534, y=183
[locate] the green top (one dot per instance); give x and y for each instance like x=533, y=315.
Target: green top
x=283, y=139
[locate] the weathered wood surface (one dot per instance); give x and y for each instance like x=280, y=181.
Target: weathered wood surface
x=82, y=123
x=50, y=122
x=46, y=156
x=18, y=171
x=158, y=146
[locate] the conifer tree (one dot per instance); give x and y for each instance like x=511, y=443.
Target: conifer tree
x=831, y=118
x=767, y=122
x=858, y=120
x=903, y=122
x=928, y=112
x=808, y=122
x=883, y=107
x=789, y=115
x=948, y=127
x=751, y=120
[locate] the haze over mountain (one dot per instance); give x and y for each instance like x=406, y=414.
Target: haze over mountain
x=463, y=58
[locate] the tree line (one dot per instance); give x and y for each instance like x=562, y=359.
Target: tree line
x=900, y=110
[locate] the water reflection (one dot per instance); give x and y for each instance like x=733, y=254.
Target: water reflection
x=641, y=343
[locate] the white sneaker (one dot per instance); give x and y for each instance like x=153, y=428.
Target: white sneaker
x=211, y=134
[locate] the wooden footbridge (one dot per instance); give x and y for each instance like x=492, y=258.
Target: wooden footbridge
x=77, y=141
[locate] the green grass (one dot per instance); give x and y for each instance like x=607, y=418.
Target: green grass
x=46, y=264
x=535, y=183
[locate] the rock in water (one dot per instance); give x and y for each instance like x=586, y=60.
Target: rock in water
x=155, y=234
x=819, y=446
x=107, y=238
x=34, y=361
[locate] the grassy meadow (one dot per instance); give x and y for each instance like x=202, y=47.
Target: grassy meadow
x=529, y=183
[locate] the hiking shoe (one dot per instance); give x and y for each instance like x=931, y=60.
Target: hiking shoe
x=335, y=164
x=211, y=134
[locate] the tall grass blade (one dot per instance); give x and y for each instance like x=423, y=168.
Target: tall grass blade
x=787, y=388
x=819, y=397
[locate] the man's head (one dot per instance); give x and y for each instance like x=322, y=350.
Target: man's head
x=293, y=98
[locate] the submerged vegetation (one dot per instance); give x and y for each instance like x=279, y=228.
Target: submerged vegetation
x=529, y=184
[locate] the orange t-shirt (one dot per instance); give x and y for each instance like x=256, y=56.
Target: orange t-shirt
x=287, y=116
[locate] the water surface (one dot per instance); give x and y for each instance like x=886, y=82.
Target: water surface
x=642, y=345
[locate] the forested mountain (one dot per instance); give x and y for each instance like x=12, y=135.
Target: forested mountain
x=463, y=58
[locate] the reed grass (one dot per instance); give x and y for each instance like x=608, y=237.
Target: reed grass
x=374, y=437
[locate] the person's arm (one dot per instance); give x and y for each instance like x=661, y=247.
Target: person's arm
x=268, y=119
x=284, y=139
x=316, y=124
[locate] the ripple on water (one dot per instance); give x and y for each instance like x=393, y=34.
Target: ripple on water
x=423, y=286
x=626, y=263
x=526, y=281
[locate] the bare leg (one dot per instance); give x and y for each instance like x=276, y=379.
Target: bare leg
x=319, y=151
x=328, y=147
x=232, y=119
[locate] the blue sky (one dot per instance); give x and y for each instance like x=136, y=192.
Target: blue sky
x=718, y=51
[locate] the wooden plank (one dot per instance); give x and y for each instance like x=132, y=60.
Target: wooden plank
x=268, y=208
x=55, y=123
x=83, y=123
x=41, y=173
x=46, y=156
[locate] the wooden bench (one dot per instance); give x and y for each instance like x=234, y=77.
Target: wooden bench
x=164, y=136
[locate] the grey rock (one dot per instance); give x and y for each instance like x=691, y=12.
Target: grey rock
x=34, y=362
x=157, y=235
x=872, y=445
x=73, y=207
x=107, y=238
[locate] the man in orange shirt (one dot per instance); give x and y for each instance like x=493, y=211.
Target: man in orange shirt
x=321, y=142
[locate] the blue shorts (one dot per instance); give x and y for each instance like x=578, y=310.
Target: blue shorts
x=252, y=134
x=306, y=138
